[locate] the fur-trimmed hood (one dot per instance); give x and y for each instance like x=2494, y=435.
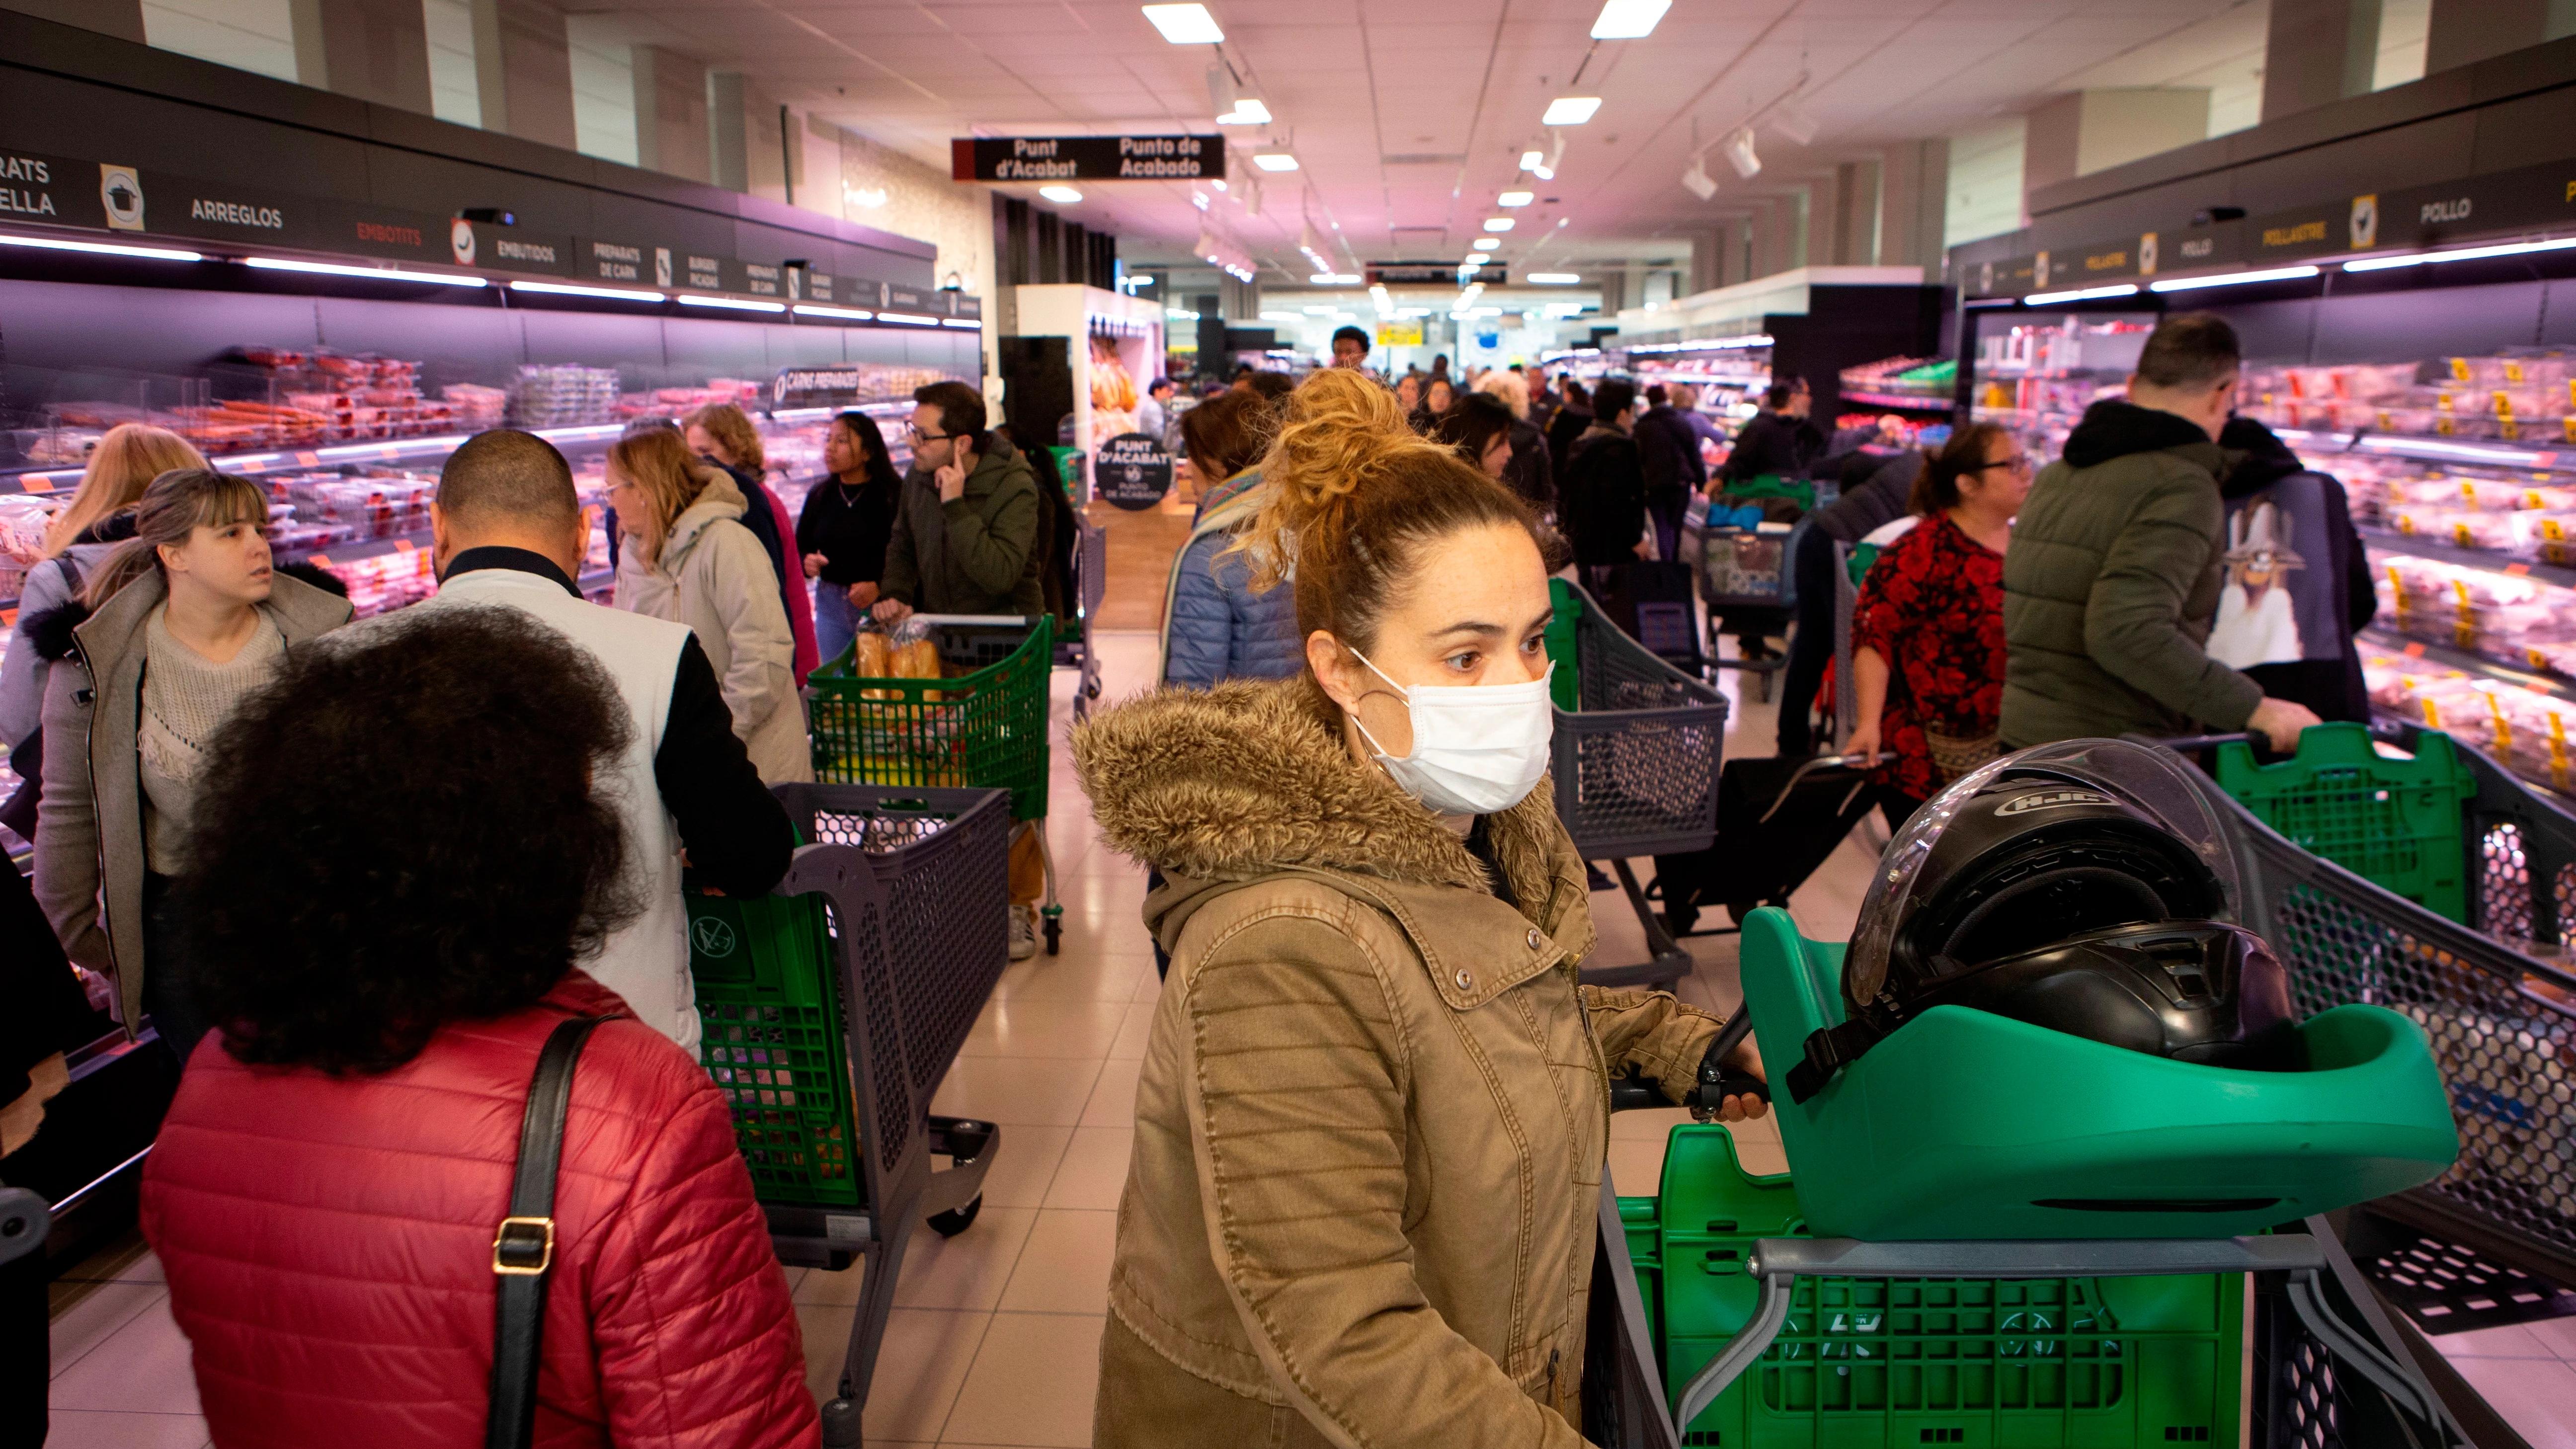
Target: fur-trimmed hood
x=1251, y=779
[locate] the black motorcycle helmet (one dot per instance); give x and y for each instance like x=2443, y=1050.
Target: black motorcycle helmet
x=2079, y=887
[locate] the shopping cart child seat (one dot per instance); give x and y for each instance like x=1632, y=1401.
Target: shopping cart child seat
x=1966, y=1125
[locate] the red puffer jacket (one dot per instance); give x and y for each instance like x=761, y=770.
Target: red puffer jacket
x=329, y=1247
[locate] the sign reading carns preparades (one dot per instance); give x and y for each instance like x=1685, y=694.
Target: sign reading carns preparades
x=1087, y=158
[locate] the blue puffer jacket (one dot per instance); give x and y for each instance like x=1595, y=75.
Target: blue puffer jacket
x=1216, y=628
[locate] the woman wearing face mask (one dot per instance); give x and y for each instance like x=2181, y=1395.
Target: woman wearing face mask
x=1370, y=1125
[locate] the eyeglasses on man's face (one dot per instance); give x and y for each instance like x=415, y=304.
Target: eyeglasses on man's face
x=914, y=432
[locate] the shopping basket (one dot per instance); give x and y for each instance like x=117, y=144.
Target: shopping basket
x=1635, y=763
x=831, y=1010
x=986, y=728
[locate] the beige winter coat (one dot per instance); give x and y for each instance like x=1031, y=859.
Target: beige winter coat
x=1373, y=1115
x=89, y=827
x=715, y=577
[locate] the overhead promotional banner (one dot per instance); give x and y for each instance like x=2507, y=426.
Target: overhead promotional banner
x=1087, y=158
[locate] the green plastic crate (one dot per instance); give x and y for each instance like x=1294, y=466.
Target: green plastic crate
x=983, y=730
x=2083, y=1363
x=770, y=1008
x=2394, y=822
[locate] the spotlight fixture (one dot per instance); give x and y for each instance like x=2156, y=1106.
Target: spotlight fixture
x=1220, y=79
x=1533, y=160
x=1185, y=24
x=1739, y=154
x=1629, y=19
x=1516, y=198
x=1064, y=195
x=1486, y=243
x=1248, y=111
x=1570, y=110
x=1696, y=179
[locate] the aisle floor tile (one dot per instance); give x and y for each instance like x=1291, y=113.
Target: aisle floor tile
x=1065, y=1267
x=1094, y=1173
x=1023, y=1026
x=1032, y=1382
x=1025, y=1166
x=1113, y=1097
x=2538, y=1399
x=1135, y=1033
x=1079, y=975
x=1039, y=1091
x=967, y=1271
x=117, y=1429
x=143, y=1367
x=920, y=1368
x=2508, y=1340
x=96, y=1317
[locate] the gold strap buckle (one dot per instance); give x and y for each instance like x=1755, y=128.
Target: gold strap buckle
x=523, y=1246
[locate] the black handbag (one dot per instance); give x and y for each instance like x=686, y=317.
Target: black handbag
x=523, y=1249
x=27, y=757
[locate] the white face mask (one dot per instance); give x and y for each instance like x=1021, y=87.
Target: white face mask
x=1477, y=748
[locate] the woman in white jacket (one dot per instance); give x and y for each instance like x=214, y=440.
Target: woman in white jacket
x=688, y=558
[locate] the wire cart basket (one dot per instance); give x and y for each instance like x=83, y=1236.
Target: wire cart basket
x=1744, y=579
x=832, y=1009
x=984, y=729
x=1635, y=767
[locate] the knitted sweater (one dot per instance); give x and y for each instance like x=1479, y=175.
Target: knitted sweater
x=186, y=698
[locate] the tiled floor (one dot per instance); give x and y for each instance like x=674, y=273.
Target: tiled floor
x=994, y=1338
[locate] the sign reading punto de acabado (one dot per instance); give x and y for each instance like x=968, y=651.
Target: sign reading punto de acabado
x=1086, y=158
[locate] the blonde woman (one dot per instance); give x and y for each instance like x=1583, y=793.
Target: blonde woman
x=688, y=558
x=1528, y=473
x=180, y=624
x=78, y=540
x=723, y=434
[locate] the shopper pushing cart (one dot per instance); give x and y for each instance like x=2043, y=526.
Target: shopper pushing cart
x=965, y=542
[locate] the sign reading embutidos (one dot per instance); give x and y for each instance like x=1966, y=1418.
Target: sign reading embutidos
x=1087, y=158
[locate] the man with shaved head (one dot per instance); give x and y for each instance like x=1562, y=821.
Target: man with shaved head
x=509, y=532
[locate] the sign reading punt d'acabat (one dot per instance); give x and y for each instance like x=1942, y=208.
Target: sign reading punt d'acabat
x=1087, y=158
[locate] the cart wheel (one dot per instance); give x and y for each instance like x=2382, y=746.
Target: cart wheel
x=950, y=1224
x=1054, y=932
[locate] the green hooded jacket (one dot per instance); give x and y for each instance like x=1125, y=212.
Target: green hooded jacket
x=2111, y=584
x=977, y=555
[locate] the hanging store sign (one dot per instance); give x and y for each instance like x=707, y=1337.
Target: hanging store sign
x=1087, y=158
x=1132, y=471
x=1432, y=274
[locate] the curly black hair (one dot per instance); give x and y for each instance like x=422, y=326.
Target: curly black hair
x=403, y=833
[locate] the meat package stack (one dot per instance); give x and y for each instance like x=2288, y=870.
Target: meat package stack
x=317, y=398
x=2522, y=396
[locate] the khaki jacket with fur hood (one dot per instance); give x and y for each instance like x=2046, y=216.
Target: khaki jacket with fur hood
x=1373, y=1114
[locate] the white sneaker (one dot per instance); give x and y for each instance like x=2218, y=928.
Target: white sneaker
x=1024, y=932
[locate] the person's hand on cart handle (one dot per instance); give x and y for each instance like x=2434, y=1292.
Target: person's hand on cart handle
x=891, y=611
x=1863, y=747
x=813, y=565
x=2281, y=720
x=951, y=477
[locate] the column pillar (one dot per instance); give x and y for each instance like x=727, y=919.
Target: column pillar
x=1854, y=231
x=373, y=50
x=671, y=114
x=1914, y=190
x=2464, y=32
x=2318, y=51
x=523, y=70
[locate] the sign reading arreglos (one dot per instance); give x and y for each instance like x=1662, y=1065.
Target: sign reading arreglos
x=1086, y=158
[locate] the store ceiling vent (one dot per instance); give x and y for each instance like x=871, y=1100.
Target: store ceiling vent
x=1424, y=158
x=1419, y=241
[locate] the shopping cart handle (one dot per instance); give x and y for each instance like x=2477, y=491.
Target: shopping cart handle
x=2182, y=743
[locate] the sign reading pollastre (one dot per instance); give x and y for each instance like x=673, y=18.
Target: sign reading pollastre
x=1132, y=471
x=1087, y=158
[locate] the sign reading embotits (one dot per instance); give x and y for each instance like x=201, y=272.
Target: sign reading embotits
x=1086, y=158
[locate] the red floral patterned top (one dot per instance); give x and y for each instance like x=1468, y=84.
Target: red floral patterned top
x=1933, y=608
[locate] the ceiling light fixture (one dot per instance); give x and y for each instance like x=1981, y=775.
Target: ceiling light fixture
x=1739, y=154
x=1629, y=19
x=2088, y=294
x=1064, y=195
x=844, y=314
x=2234, y=279
x=1247, y=112
x=1793, y=123
x=1499, y=223
x=1516, y=198
x=1533, y=160
x=373, y=274
x=1553, y=279
x=1486, y=243
x=1185, y=24
x=565, y=289
x=734, y=304
x=104, y=249
x=1570, y=110
x=1274, y=161
x=1335, y=279
x=2463, y=254
x=1697, y=180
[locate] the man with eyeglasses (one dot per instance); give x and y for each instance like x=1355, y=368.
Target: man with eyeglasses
x=965, y=541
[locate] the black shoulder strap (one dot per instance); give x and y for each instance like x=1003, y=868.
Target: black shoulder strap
x=523, y=1250
x=71, y=572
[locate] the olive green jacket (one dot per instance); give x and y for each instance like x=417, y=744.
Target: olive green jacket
x=977, y=554
x=1373, y=1114
x=2110, y=587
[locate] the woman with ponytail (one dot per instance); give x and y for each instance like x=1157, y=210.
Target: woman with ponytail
x=1370, y=1126
x=172, y=632
x=1928, y=632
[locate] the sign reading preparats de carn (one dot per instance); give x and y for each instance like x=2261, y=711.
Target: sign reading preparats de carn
x=1087, y=158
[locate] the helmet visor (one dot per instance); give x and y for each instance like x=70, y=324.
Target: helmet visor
x=2150, y=779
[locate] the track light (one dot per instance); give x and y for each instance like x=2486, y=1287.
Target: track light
x=1220, y=81
x=1185, y=24
x=1248, y=111
x=1697, y=181
x=1739, y=154
x=1793, y=123
x=1570, y=110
